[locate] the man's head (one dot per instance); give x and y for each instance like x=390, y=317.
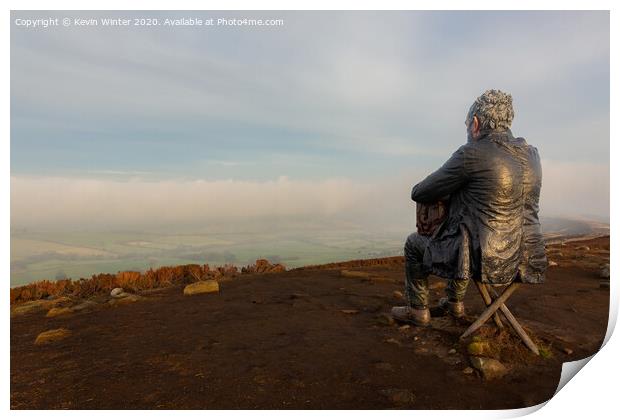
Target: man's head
x=490, y=111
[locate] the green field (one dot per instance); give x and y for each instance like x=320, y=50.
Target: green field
x=53, y=255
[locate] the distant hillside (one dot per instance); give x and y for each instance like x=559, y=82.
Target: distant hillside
x=558, y=228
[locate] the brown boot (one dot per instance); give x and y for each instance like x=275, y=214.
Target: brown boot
x=456, y=309
x=419, y=317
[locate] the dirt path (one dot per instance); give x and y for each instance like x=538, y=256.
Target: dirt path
x=283, y=341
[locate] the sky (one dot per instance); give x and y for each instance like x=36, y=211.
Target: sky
x=332, y=116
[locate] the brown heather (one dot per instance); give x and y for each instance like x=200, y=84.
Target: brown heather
x=133, y=281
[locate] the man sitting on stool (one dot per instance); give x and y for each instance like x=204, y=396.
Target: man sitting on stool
x=490, y=231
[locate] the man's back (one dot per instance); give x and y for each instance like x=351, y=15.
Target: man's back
x=482, y=235
x=534, y=261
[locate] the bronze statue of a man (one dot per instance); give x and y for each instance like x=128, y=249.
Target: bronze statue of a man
x=490, y=231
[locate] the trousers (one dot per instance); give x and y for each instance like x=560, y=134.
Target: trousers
x=416, y=282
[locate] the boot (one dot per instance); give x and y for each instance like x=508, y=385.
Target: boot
x=456, y=309
x=419, y=317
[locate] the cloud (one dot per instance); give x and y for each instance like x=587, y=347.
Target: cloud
x=61, y=202
x=90, y=203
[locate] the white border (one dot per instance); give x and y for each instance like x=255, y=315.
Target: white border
x=592, y=394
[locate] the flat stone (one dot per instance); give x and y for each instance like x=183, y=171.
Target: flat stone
x=124, y=300
x=204, y=286
x=54, y=312
x=489, y=368
x=52, y=335
x=86, y=305
x=38, y=305
x=349, y=311
x=393, y=341
x=30, y=307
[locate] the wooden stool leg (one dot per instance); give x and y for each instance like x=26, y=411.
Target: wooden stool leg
x=490, y=310
x=518, y=328
x=484, y=292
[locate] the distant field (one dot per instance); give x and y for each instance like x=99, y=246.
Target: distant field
x=54, y=255
x=47, y=255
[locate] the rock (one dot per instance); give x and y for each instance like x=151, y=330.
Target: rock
x=397, y=294
x=399, y=396
x=452, y=351
x=567, y=350
x=582, y=248
x=468, y=370
x=489, y=368
x=393, y=341
x=605, y=271
x=52, y=335
x=29, y=307
x=205, y=286
x=54, y=312
x=37, y=305
x=117, y=292
x=552, y=263
x=349, y=311
x=129, y=298
x=404, y=327
x=479, y=348
x=86, y=305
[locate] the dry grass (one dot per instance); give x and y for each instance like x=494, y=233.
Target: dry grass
x=131, y=281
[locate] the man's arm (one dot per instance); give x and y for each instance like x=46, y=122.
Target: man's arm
x=444, y=181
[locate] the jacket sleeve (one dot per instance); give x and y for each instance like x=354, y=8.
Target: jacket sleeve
x=444, y=181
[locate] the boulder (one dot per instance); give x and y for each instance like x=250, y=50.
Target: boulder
x=54, y=312
x=117, y=292
x=30, y=307
x=124, y=300
x=205, y=286
x=52, y=335
x=489, y=368
x=37, y=305
x=84, y=306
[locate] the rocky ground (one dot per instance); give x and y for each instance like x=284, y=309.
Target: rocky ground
x=308, y=339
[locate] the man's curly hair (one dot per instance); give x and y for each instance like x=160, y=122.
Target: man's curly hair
x=493, y=109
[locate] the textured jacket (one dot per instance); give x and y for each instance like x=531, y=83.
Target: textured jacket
x=493, y=185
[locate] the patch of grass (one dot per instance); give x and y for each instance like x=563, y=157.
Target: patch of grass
x=545, y=351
